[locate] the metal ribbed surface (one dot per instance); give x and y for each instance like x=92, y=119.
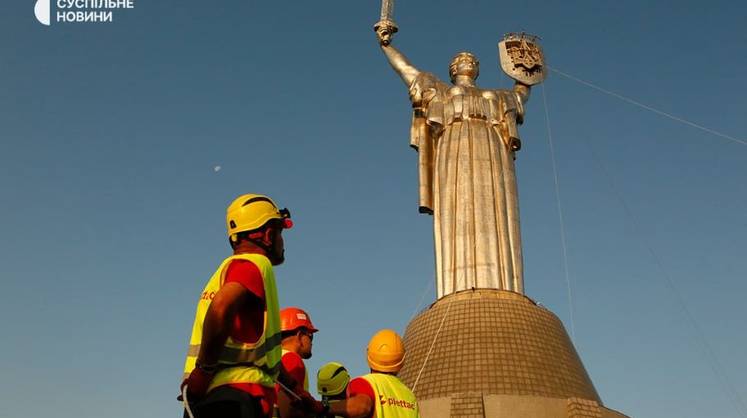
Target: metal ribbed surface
x=492, y=342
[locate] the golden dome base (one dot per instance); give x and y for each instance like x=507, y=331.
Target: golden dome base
x=489, y=353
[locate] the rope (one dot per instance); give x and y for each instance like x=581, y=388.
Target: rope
x=288, y=390
x=560, y=216
x=422, y=296
x=649, y=108
x=432, y=345
x=705, y=347
x=417, y=307
x=185, y=401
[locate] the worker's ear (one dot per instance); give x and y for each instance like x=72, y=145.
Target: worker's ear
x=268, y=235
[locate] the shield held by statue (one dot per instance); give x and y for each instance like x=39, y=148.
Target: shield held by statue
x=522, y=59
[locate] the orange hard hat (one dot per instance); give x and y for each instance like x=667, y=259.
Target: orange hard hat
x=386, y=352
x=294, y=318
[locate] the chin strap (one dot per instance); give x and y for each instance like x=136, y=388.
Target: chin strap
x=257, y=238
x=261, y=244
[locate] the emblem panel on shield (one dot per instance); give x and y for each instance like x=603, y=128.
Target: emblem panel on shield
x=521, y=58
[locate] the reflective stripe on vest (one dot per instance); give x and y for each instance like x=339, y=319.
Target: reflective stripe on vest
x=239, y=362
x=393, y=398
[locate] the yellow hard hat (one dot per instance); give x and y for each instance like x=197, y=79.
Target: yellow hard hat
x=252, y=211
x=332, y=379
x=386, y=351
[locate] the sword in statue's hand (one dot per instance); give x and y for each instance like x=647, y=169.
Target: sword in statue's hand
x=386, y=27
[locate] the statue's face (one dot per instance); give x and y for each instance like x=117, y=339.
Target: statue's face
x=465, y=65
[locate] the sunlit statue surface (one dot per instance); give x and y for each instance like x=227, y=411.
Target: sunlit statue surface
x=466, y=138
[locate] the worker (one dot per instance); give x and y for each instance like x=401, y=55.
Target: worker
x=297, y=333
x=332, y=381
x=233, y=361
x=379, y=394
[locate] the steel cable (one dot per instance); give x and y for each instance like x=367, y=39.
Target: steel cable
x=649, y=108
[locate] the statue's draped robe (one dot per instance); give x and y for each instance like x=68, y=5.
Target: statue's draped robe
x=466, y=138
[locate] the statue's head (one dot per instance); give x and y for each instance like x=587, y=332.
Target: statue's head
x=464, y=63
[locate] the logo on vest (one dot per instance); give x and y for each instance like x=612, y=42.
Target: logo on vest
x=395, y=402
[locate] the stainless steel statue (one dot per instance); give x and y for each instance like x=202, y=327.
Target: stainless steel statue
x=466, y=138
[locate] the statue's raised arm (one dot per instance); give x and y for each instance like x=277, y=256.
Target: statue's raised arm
x=384, y=32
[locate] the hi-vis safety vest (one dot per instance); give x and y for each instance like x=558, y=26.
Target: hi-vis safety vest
x=239, y=362
x=393, y=398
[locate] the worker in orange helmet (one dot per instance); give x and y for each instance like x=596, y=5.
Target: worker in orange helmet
x=297, y=332
x=234, y=357
x=379, y=394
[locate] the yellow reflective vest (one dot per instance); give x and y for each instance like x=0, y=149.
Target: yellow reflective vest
x=258, y=362
x=393, y=398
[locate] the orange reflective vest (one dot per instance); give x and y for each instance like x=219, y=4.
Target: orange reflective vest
x=239, y=362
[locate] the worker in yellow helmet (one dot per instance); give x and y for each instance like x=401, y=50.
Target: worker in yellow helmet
x=233, y=361
x=379, y=394
x=332, y=381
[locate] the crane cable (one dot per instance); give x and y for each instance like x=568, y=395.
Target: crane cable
x=705, y=347
x=433, y=343
x=563, y=244
x=649, y=108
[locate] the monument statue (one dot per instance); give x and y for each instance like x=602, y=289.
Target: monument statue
x=492, y=351
x=467, y=138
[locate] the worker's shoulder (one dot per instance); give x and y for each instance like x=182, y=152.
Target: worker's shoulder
x=360, y=386
x=259, y=262
x=291, y=358
x=242, y=262
x=246, y=273
x=239, y=267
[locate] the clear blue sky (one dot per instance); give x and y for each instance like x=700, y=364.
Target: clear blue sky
x=112, y=210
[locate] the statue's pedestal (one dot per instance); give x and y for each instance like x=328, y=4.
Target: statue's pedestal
x=497, y=354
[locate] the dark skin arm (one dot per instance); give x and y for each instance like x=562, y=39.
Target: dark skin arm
x=289, y=407
x=218, y=321
x=359, y=406
x=216, y=328
x=219, y=318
